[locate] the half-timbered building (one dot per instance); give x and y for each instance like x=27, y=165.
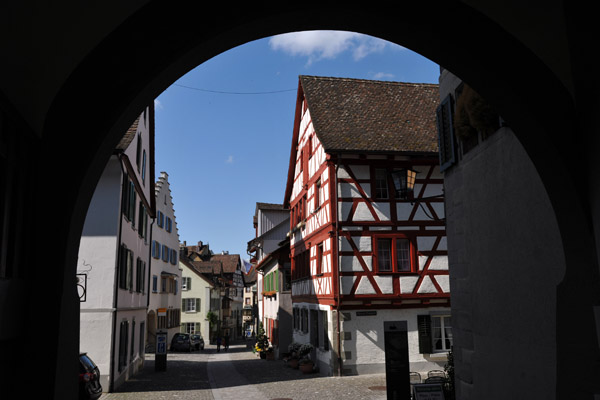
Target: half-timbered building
x=365, y=247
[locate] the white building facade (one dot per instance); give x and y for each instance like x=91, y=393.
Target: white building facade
x=195, y=301
x=164, y=312
x=114, y=257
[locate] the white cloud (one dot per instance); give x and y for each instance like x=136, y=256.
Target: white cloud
x=229, y=160
x=381, y=76
x=318, y=45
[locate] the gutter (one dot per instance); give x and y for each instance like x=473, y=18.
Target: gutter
x=337, y=243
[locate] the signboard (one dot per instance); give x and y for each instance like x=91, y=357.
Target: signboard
x=161, y=343
x=428, y=391
x=162, y=312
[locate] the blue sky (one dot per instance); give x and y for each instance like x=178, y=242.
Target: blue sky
x=224, y=130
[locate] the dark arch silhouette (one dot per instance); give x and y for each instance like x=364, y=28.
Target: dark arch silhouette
x=161, y=41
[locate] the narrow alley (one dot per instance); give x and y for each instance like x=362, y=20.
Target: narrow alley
x=240, y=374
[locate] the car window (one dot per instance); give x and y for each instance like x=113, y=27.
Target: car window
x=87, y=362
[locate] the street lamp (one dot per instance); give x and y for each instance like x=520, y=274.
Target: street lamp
x=404, y=181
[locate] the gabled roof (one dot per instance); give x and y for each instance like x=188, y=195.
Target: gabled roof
x=230, y=262
x=129, y=135
x=193, y=268
x=365, y=116
x=372, y=116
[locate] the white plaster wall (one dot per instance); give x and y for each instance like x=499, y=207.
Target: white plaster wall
x=501, y=261
x=363, y=352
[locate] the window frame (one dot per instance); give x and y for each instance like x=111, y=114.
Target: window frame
x=394, y=254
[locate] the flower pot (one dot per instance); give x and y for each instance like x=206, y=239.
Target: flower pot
x=306, y=368
x=263, y=355
x=293, y=362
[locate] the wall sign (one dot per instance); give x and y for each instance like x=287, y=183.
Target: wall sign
x=428, y=391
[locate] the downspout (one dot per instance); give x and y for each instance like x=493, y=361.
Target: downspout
x=116, y=280
x=337, y=267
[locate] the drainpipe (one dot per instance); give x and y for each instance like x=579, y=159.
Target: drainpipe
x=337, y=243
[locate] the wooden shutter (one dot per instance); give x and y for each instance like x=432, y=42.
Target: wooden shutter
x=445, y=133
x=184, y=305
x=197, y=305
x=425, y=339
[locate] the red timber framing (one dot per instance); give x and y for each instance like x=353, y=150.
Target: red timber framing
x=338, y=245
x=402, y=240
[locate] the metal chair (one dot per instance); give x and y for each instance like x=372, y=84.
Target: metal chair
x=415, y=377
x=436, y=372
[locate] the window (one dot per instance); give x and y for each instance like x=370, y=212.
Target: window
x=140, y=275
x=129, y=200
x=125, y=268
x=155, y=249
x=319, y=263
x=173, y=257
x=160, y=219
x=143, y=222
x=381, y=183
x=191, y=327
x=165, y=253
x=144, y=167
x=190, y=305
x=318, y=194
x=301, y=265
x=445, y=133
x=123, y=334
x=168, y=224
x=138, y=153
x=142, y=339
x=186, y=283
x=154, y=283
x=435, y=333
x=394, y=254
x=132, y=347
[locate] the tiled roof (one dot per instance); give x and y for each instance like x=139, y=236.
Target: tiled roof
x=230, y=262
x=129, y=135
x=372, y=116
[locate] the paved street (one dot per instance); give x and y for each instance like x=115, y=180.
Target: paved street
x=240, y=374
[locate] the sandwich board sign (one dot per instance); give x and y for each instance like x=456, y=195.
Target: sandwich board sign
x=428, y=391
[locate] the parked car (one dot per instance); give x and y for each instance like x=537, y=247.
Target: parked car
x=182, y=341
x=197, y=342
x=89, y=378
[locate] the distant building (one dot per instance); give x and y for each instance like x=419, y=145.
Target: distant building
x=164, y=312
x=196, y=289
x=224, y=270
x=114, y=257
x=366, y=248
x=272, y=263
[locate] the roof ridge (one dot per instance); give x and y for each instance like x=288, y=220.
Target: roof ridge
x=370, y=81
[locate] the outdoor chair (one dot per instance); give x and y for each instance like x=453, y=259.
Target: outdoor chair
x=436, y=372
x=415, y=377
x=436, y=379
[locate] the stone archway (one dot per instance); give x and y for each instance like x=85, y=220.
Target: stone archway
x=140, y=51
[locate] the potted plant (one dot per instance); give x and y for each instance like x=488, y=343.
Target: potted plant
x=292, y=359
x=262, y=342
x=270, y=353
x=305, y=364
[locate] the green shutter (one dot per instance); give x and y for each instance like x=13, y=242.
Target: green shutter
x=425, y=339
x=197, y=305
x=183, y=303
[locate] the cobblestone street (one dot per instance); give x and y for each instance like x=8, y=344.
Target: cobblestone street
x=240, y=374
